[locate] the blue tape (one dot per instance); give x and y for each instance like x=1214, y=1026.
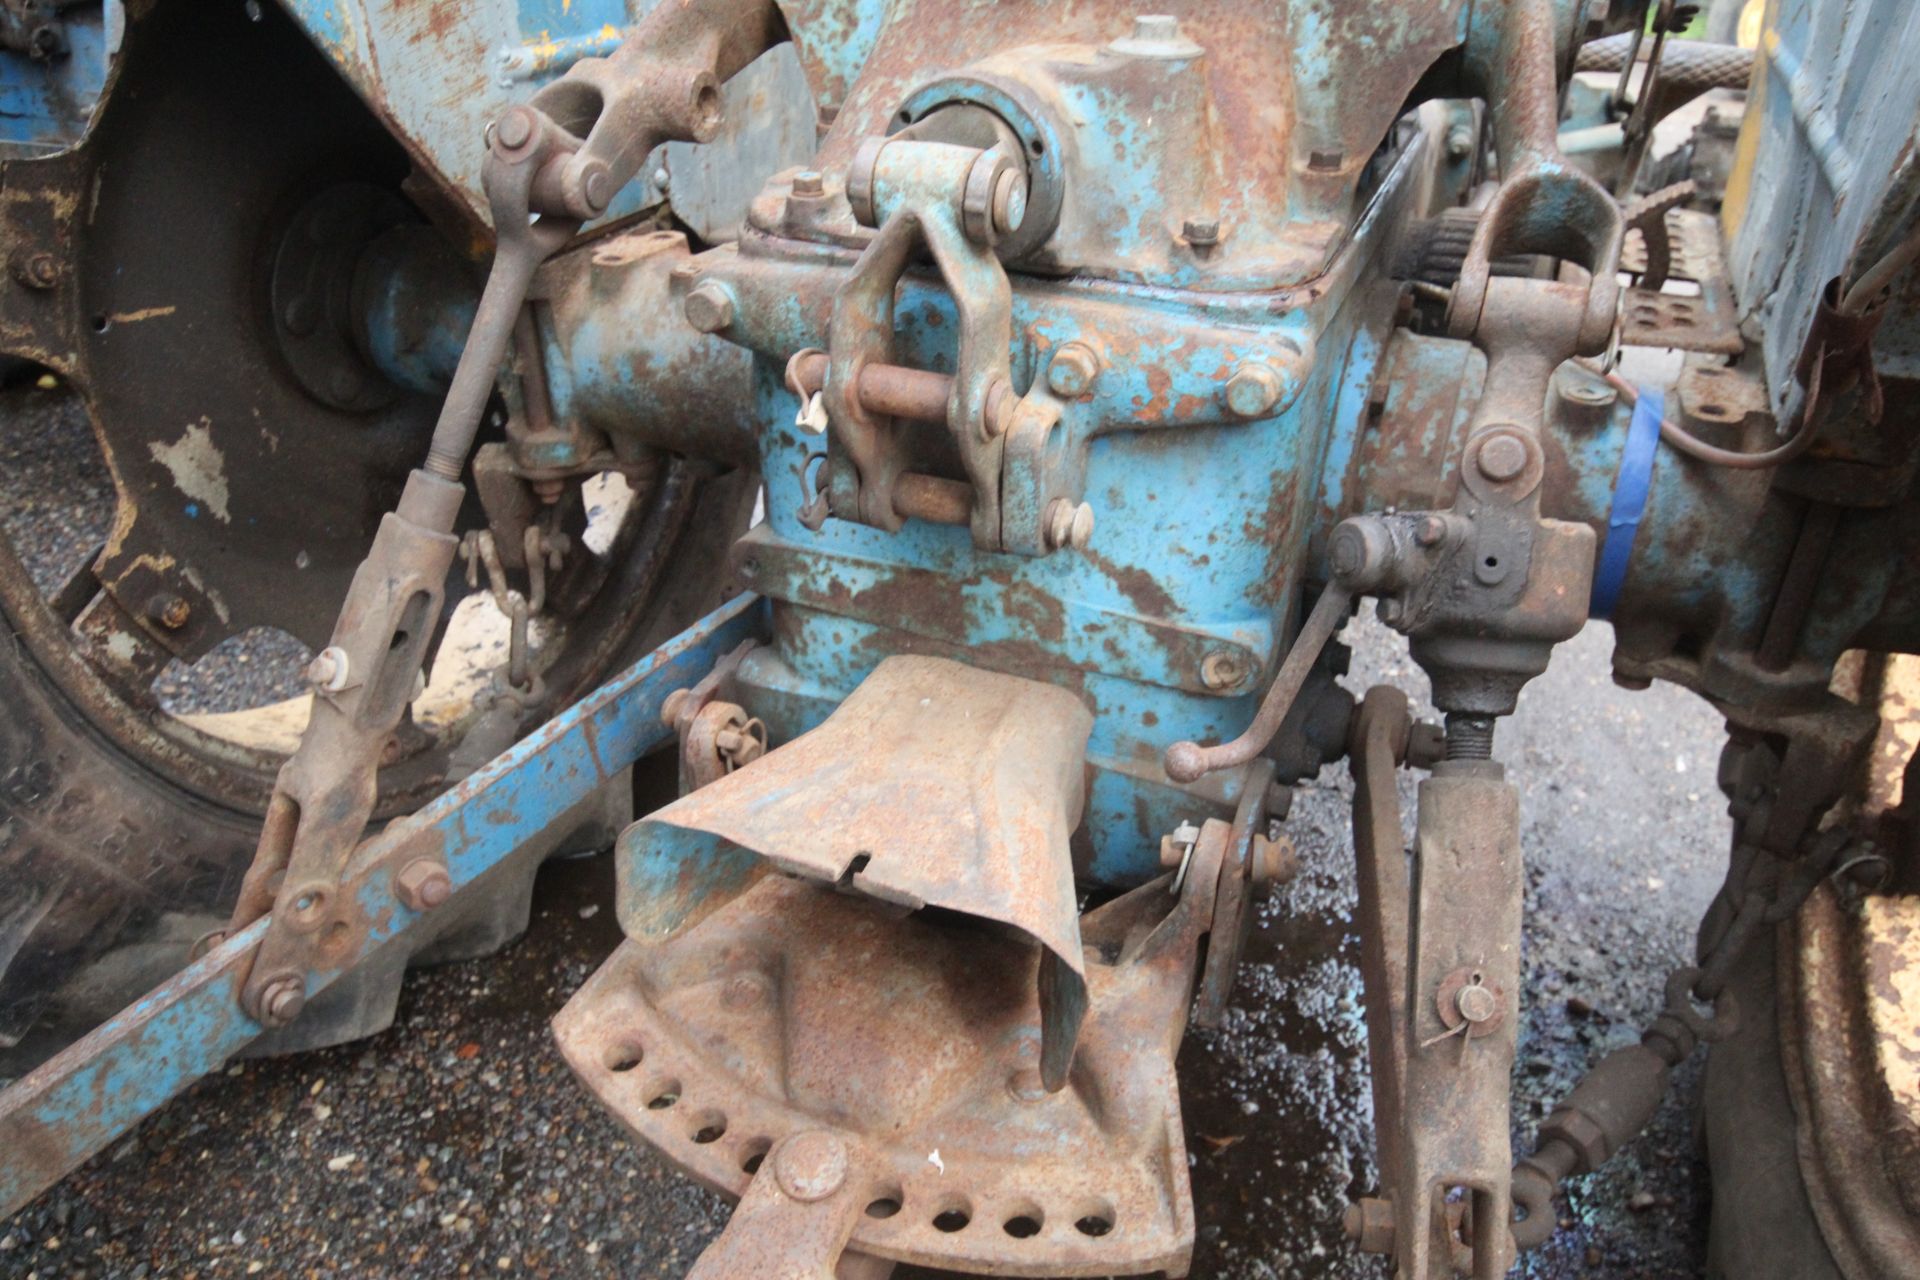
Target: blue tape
x=1629, y=501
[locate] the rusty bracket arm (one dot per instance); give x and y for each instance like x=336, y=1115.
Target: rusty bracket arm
x=86, y=1097
x=556, y=158
x=797, y=1215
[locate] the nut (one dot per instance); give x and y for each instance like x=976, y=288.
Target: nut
x=282, y=1000
x=809, y=183
x=1072, y=372
x=170, y=611
x=423, y=884
x=709, y=308
x=1253, y=390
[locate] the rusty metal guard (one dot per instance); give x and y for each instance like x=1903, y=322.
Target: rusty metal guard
x=934, y=785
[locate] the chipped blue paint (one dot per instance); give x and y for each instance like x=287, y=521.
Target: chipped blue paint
x=99, y=1087
x=46, y=106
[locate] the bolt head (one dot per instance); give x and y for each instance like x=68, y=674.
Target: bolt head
x=809, y=182
x=811, y=1166
x=1201, y=233
x=1430, y=531
x=596, y=186
x=1328, y=161
x=514, y=129
x=1253, y=390
x=1072, y=372
x=1502, y=458
x=1156, y=26
x=709, y=308
x=1349, y=552
x=1009, y=202
x=1223, y=669
x=40, y=271
x=423, y=884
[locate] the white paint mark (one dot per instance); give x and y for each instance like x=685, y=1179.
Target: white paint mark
x=198, y=469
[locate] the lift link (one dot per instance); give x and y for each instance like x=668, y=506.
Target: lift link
x=551, y=166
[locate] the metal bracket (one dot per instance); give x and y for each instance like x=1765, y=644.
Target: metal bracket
x=921, y=196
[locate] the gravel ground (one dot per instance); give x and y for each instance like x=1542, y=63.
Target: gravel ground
x=456, y=1143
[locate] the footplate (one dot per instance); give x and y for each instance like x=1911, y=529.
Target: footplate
x=914, y=1041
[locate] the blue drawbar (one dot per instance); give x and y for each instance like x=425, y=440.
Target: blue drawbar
x=1629, y=501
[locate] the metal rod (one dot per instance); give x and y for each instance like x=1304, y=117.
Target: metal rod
x=1189, y=761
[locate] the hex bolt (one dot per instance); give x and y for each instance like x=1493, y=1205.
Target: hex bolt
x=1476, y=1004
x=1430, y=531
x=709, y=308
x=423, y=884
x=811, y=1166
x=1223, y=669
x=1201, y=233
x=169, y=610
x=1072, y=372
x=1459, y=142
x=1502, y=458
x=1158, y=27
x=1369, y=1224
x=809, y=183
x=282, y=1000
x=1253, y=390
x=1068, y=525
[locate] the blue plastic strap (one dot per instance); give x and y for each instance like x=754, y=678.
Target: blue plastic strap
x=1629, y=501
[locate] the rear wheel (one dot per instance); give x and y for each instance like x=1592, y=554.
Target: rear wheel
x=241, y=455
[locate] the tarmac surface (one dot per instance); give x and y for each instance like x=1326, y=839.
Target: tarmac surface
x=457, y=1143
